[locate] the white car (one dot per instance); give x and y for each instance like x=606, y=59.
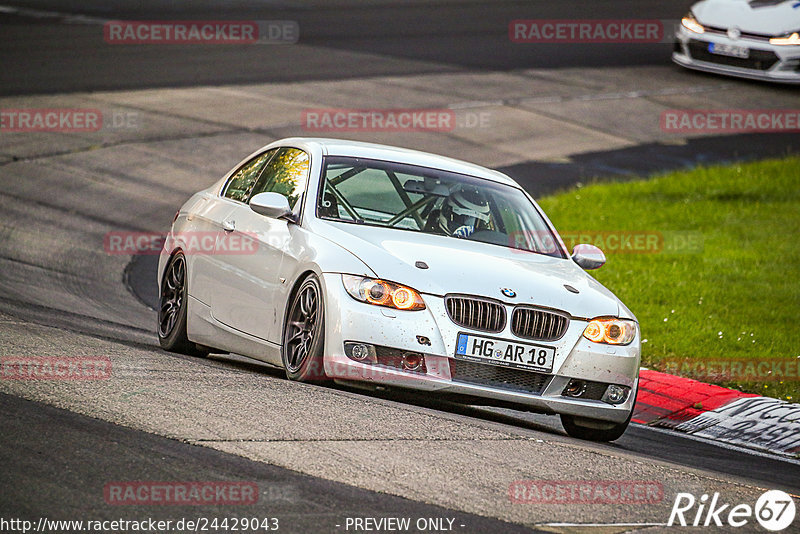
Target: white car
x=379, y=265
x=757, y=39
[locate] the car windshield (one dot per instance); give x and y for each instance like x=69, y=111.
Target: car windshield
x=420, y=199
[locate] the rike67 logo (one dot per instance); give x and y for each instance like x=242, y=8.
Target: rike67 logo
x=774, y=510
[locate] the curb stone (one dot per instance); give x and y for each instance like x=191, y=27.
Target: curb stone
x=718, y=413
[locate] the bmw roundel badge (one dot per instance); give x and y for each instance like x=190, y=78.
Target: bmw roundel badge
x=510, y=293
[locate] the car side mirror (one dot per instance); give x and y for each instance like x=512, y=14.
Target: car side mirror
x=588, y=256
x=272, y=205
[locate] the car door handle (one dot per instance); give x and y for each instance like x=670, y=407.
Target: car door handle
x=229, y=226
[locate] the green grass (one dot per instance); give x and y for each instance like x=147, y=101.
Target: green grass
x=743, y=280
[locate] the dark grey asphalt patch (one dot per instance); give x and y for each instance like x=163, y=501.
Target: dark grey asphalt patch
x=541, y=178
x=141, y=279
x=77, y=322
x=402, y=38
x=56, y=464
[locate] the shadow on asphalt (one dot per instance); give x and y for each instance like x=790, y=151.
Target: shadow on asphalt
x=541, y=178
x=41, y=444
x=639, y=440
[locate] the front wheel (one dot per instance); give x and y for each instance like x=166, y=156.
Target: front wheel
x=594, y=430
x=172, y=310
x=303, y=333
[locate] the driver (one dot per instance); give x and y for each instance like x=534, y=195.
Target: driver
x=463, y=212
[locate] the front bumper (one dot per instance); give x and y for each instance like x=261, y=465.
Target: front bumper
x=766, y=62
x=348, y=320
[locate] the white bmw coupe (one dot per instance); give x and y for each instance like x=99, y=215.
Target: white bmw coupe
x=354, y=262
x=757, y=39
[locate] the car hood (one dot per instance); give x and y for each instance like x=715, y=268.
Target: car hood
x=754, y=16
x=468, y=267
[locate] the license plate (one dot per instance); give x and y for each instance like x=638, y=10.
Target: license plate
x=482, y=349
x=722, y=49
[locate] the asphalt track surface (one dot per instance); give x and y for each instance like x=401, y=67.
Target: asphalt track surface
x=349, y=40
x=319, y=454
x=69, y=484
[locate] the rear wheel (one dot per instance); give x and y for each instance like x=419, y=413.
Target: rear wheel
x=172, y=309
x=592, y=429
x=303, y=333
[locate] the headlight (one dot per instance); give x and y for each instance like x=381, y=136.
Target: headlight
x=691, y=24
x=786, y=40
x=610, y=330
x=382, y=293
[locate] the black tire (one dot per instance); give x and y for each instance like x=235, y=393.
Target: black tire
x=592, y=433
x=172, y=310
x=304, y=333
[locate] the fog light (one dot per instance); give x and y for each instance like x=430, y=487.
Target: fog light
x=412, y=361
x=575, y=388
x=615, y=394
x=360, y=352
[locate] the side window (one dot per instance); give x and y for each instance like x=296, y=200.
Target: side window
x=286, y=173
x=372, y=195
x=241, y=183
